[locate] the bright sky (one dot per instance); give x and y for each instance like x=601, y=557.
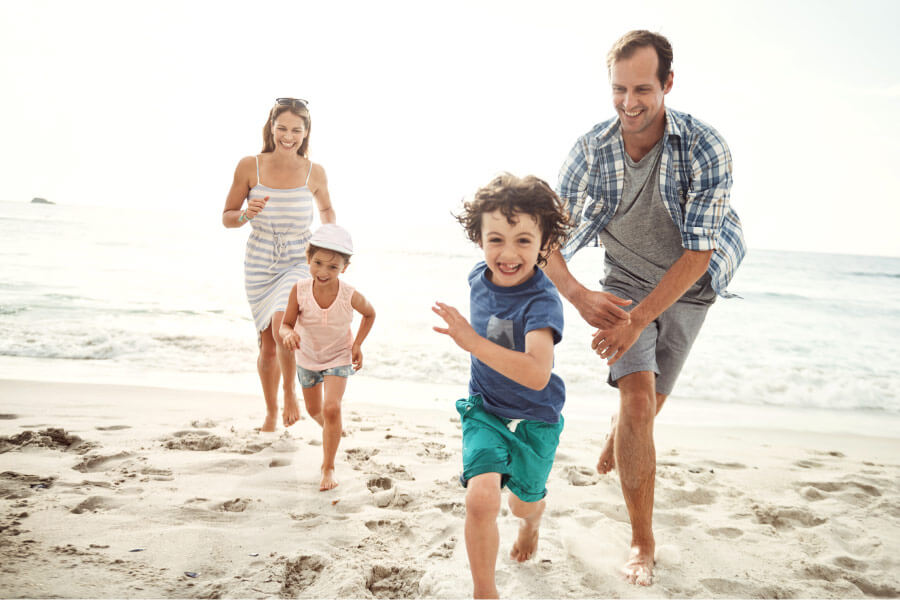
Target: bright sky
x=416, y=103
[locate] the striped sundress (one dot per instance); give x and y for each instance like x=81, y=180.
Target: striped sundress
x=275, y=258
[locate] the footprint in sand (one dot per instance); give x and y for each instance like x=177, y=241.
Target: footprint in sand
x=112, y=427
x=808, y=464
x=385, y=581
x=725, y=532
x=681, y=498
x=300, y=573
x=434, y=450
x=280, y=462
x=785, y=517
x=95, y=504
x=616, y=512
x=54, y=438
x=8, y=417
x=457, y=509
x=445, y=550
x=14, y=486
x=737, y=589
x=399, y=529
x=580, y=476
x=357, y=457
x=236, y=505
x=93, y=463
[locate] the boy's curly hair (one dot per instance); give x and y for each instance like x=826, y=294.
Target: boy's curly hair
x=514, y=196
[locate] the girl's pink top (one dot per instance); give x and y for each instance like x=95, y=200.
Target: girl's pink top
x=325, y=338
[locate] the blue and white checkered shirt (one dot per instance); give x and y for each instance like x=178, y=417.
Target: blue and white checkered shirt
x=694, y=182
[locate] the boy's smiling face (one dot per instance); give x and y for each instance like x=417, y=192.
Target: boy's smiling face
x=510, y=250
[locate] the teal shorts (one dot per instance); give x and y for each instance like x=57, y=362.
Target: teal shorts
x=523, y=457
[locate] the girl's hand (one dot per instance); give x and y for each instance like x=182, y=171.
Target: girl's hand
x=255, y=206
x=291, y=340
x=457, y=328
x=357, y=358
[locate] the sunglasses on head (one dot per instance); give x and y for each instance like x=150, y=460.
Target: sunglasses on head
x=294, y=102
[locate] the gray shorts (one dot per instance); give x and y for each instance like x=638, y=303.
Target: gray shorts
x=663, y=345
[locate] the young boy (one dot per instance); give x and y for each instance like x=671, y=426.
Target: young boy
x=511, y=421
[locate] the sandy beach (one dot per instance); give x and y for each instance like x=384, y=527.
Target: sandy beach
x=117, y=491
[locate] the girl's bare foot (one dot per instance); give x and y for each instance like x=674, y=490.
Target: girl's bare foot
x=291, y=410
x=328, y=481
x=607, y=461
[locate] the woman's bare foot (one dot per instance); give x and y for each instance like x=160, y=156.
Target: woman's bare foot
x=639, y=568
x=328, y=481
x=607, y=461
x=291, y=412
x=269, y=424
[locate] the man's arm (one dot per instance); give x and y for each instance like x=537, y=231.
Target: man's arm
x=616, y=340
x=599, y=309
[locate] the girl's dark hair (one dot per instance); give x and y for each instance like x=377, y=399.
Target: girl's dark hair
x=514, y=196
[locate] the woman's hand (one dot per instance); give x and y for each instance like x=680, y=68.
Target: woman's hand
x=291, y=340
x=255, y=206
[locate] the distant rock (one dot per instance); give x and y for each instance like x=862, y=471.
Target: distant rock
x=41, y=201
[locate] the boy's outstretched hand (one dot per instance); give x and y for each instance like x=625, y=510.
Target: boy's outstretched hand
x=457, y=328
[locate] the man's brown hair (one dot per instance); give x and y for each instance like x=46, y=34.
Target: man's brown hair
x=641, y=38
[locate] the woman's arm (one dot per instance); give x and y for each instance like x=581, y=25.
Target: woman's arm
x=318, y=185
x=233, y=216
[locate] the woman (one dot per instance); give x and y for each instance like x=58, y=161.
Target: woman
x=279, y=185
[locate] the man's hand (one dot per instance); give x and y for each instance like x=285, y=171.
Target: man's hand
x=601, y=309
x=613, y=342
x=457, y=328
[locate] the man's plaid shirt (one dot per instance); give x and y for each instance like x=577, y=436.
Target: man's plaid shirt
x=694, y=182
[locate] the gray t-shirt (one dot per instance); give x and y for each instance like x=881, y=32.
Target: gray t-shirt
x=641, y=240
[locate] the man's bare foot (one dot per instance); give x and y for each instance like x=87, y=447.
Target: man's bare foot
x=291, y=412
x=328, y=481
x=639, y=568
x=607, y=461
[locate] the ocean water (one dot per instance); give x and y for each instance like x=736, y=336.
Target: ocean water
x=118, y=295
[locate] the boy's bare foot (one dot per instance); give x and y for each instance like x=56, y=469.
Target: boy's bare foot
x=639, y=568
x=291, y=410
x=328, y=481
x=607, y=461
x=526, y=544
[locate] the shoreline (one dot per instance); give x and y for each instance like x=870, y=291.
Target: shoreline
x=166, y=483
x=679, y=410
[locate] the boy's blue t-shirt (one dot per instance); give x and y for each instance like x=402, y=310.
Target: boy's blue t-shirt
x=504, y=315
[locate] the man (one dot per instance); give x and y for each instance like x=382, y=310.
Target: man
x=653, y=184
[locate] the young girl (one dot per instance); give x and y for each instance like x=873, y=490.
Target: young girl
x=316, y=327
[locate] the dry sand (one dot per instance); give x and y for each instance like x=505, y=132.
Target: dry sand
x=115, y=491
